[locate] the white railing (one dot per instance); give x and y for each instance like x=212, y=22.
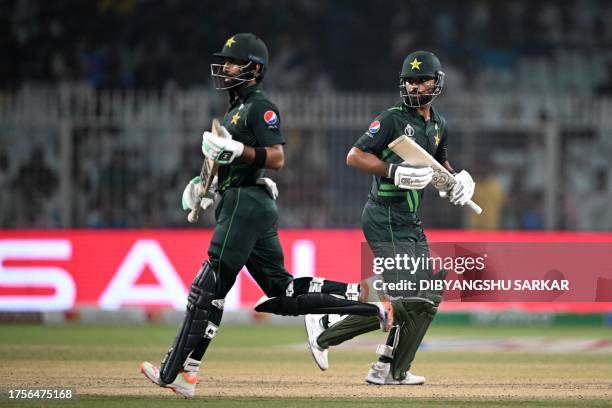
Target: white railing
x=81, y=128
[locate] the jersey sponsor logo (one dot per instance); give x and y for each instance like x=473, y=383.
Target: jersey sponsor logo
x=374, y=127
x=270, y=117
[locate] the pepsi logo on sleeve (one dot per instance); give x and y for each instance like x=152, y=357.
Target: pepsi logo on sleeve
x=374, y=128
x=271, y=119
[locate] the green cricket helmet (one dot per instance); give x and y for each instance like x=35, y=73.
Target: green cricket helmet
x=247, y=49
x=421, y=65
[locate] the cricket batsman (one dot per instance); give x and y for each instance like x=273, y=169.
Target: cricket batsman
x=391, y=225
x=246, y=230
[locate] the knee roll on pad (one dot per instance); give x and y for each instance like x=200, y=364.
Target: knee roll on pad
x=196, y=323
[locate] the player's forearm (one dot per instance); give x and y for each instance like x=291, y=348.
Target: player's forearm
x=274, y=156
x=366, y=162
x=448, y=167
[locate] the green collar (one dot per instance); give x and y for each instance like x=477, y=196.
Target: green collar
x=245, y=92
x=412, y=111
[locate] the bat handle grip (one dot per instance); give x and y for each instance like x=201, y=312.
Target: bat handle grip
x=194, y=214
x=474, y=207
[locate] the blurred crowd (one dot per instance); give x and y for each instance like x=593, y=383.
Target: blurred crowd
x=317, y=47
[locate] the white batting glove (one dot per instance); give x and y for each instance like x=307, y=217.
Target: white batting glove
x=270, y=186
x=191, y=194
x=407, y=177
x=223, y=150
x=463, y=190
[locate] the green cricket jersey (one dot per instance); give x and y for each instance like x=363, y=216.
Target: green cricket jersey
x=392, y=123
x=255, y=121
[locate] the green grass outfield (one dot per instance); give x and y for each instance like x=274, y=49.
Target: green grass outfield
x=97, y=355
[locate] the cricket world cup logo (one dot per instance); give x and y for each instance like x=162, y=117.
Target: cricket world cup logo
x=409, y=131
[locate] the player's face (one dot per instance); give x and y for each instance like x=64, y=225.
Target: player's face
x=233, y=72
x=233, y=67
x=419, y=85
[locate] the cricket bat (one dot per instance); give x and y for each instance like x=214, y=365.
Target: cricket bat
x=207, y=174
x=415, y=155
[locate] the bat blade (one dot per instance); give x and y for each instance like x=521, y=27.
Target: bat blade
x=415, y=155
x=207, y=174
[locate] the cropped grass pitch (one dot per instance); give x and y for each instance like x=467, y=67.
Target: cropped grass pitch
x=263, y=365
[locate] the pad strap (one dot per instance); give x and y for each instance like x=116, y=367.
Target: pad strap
x=289, y=291
x=384, y=350
x=316, y=284
x=352, y=291
x=211, y=330
x=191, y=365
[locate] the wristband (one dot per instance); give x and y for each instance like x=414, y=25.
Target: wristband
x=261, y=155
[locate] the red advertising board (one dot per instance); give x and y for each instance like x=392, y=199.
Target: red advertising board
x=111, y=269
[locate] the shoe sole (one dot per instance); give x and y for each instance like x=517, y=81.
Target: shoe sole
x=178, y=392
x=392, y=383
x=401, y=383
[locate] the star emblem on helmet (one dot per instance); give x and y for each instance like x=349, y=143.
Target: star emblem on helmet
x=415, y=64
x=235, y=118
x=230, y=42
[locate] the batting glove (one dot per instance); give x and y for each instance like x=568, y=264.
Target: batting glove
x=270, y=186
x=191, y=194
x=223, y=150
x=463, y=190
x=406, y=177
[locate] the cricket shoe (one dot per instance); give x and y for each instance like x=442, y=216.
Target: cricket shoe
x=380, y=374
x=314, y=328
x=184, y=384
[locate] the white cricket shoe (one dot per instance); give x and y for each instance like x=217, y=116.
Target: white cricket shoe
x=313, y=329
x=184, y=384
x=380, y=374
